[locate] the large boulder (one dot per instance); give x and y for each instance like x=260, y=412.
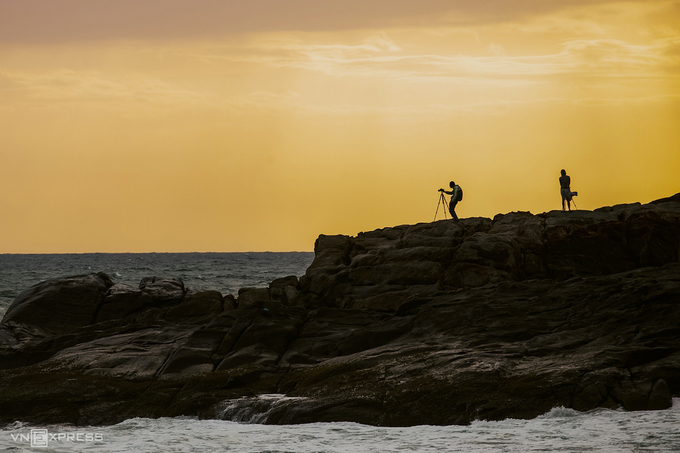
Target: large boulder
x=197, y=306
x=163, y=290
x=122, y=300
x=59, y=305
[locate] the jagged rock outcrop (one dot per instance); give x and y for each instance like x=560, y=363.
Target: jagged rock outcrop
x=435, y=323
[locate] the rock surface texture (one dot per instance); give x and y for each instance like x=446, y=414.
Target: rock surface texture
x=437, y=323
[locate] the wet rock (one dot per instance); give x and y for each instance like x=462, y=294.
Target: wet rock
x=135, y=355
x=163, y=290
x=196, y=306
x=122, y=300
x=590, y=397
x=660, y=396
x=229, y=302
x=247, y=297
x=396, y=273
x=285, y=290
x=61, y=305
x=290, y=296
x=434, y=323
x=281, y=283
x=469, y=274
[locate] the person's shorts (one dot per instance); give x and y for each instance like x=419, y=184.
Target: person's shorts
x=566, y=194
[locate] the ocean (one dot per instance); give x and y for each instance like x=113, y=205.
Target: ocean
x=560, y=430
x=224, y=272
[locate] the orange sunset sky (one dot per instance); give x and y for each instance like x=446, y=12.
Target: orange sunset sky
x=223, y=125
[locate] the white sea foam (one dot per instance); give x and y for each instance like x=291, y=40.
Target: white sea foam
x=560, y=430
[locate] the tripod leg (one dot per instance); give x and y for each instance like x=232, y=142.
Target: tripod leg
x=442, y=198
x=437, y=211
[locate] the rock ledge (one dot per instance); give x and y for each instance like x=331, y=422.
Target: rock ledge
x=437, y=323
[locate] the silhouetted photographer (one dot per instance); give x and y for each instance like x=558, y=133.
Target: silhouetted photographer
x=565, y=190
x=456, y=196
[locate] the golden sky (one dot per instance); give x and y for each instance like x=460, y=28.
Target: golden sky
x=213, y=125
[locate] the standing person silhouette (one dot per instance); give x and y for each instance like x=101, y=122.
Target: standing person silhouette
x=565, y=189
x=456, y=196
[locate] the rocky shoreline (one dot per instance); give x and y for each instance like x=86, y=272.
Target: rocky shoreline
x=434, y=323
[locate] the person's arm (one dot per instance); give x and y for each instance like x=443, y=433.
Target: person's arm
x=447, y=193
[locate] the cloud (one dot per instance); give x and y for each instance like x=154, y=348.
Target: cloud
x=383, y=57
x=39, y=21
x=257, y=102
x=596, y=63
x=497, y=49
x=96, y=88
x=613, y=58
x=425, y=70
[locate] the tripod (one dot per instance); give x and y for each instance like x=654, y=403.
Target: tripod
x=442, y=202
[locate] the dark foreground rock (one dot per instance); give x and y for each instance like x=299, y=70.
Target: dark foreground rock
x=436, y=323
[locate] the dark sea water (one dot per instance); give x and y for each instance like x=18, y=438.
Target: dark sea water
x=224, y=272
